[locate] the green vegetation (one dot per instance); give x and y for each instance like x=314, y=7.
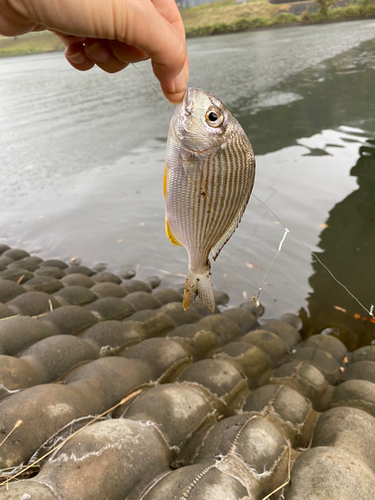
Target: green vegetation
x=32, y=43
x=213, y=19
x=226, y=17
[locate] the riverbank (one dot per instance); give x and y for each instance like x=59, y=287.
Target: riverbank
x=220, y=18
x=120, y=370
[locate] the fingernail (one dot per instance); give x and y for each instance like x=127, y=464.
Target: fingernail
x=77, y=58
x=180, y=82
x=97, y=52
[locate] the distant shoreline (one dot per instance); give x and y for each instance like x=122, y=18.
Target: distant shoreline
x=216, y=19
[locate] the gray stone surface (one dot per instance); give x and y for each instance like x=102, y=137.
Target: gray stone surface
x=166, y=358
x=270, y=343
x=105, y=448
x=136, y=286
x=356, y=394
x=362, y=370
x=288, y=334
x=74, y=269
x=78, y=279
x=110, y=308
x=106, y=277
x=245, y=320
x=76, y=295
x=16, y=334
x=69, y=320
x=249, y=360
x=33, y=304
x=9, y=290
x=350, y=429
x=142, y=300
x=198, y=482
x=324, y=473
x=107, y=289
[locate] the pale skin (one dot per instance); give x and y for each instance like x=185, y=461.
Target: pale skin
x=110, y=34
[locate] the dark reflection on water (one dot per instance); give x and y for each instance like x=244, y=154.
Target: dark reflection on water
x=338, y=91
x=348, y=243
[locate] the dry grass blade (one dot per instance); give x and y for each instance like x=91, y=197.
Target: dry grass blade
x=288, y=479
x=17, y=424
x=123, y=401
x=9, y=317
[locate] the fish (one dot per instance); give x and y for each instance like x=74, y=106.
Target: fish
x=208, y=178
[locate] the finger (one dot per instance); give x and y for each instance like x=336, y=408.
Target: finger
x=150, y=32
x=76, y=56
x=127, y=53
x=69, y=39
x=100, y=53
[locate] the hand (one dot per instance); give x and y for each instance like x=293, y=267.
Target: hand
x=110, y=34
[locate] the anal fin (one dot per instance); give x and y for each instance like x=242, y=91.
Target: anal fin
x=170, y=235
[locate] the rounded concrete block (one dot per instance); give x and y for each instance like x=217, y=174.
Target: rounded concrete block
x=110, y=308
x=361, y=370
x=53, y=272
x=142, y=300
x=270, y=343
x=245, y=320
x=330, y=473
x=69, y=320
x=198, y=482
x=74, y=269
x=131, y=286
x=76, y=295
x=9, y=290
x=106, y=277
x=33, y=304
x=225, y=329
x=356, y=394
x=78, y=280
x=112, y=459
x=288, y=334
x=45, y=284
x=305, y=379
x=350, y=429
x=249, y=360
x=108, y=290
x=330, y=344
x=166, y=295
x=166, y=358
x=16, y=334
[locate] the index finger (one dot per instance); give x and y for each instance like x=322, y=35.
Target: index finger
x=148, y=30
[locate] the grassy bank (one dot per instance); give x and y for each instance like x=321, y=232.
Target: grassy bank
x=32, y=43
x=213, y=19
x=224, y=18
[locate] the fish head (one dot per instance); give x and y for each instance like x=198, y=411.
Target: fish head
x=201, y=122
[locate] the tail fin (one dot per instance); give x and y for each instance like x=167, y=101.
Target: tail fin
x=201, y=285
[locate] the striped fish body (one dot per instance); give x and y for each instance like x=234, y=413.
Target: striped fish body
x=209, y=175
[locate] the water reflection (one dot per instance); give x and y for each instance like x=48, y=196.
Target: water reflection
x=338, y=91
x=348, y=249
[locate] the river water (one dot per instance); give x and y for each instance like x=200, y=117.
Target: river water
x=82, y=158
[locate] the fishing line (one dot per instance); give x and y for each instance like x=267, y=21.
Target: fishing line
x=153, y=86
x=370, y=311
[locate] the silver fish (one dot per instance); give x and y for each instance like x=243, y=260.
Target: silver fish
x=208, y=178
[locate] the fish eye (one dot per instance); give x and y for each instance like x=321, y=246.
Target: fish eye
x=214, y=117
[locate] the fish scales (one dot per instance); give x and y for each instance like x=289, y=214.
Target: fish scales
x=209, y=175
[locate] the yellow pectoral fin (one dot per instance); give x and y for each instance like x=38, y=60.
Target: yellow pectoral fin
x=165, y=181
x=170, y=234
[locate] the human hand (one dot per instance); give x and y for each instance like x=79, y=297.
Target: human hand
x=110, y=34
